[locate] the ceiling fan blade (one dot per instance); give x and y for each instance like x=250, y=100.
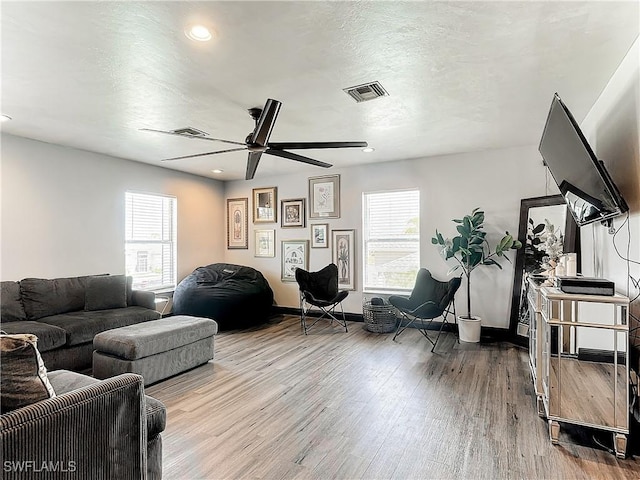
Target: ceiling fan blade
x=203, y=154
x=252, y=164
x=297, y=158
x=191, y=136
x=303, y=145
x=265, y=123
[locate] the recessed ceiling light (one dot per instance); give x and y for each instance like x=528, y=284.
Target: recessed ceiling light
x=217, y=170
x=368, y=149
x=4, y=118
x=199, y=33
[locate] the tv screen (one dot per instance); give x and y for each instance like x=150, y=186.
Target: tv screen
x=583, y=180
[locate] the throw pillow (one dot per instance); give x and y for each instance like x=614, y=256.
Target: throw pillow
x=129, y=291
x=23, y=378
x=104, y=293
x=11, y=309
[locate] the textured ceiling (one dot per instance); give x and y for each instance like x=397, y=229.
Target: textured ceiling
x=461, y=76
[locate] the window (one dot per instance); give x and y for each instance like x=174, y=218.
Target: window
x=391, y=240
x=150, y=240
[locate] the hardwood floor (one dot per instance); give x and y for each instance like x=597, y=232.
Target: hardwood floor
x=275, y=404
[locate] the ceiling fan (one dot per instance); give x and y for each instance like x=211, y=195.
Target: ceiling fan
x=257, y=142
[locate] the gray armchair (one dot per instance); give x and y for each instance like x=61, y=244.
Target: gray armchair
x=92, y=429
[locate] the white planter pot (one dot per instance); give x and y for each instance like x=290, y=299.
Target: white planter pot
x=469, y=329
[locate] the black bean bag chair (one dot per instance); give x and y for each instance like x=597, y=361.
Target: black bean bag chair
x=232, y=295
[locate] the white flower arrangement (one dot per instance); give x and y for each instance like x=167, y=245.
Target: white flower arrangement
x=552, y=243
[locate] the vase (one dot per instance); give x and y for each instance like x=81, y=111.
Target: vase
x=469, y=329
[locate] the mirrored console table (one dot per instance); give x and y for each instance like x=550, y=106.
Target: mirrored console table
x=534, y=300
x=580, y=351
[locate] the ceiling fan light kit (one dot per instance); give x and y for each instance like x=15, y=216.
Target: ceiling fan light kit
x=257, y=142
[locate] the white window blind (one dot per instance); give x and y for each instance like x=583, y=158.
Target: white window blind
x=150, y=240
x=391, y=240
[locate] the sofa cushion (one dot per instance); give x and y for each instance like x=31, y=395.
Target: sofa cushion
x=42, y=297
x=50, y=337
x=82, y=326
x=106, y=292
x=23, y=378
x=64, y=381
x=11, y=309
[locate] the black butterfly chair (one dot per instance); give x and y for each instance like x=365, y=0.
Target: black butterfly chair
x=429, y=300
x=320, y=289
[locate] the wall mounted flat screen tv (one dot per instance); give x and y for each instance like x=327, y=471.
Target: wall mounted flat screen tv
x=582, y=179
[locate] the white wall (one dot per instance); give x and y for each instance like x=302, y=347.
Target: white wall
x=612, y=128
x=62, y=211
x=450, y=187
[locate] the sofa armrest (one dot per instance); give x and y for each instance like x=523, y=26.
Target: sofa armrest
x=98, y=432
x=143, y=298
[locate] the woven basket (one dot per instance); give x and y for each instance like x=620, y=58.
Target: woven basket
x=379, y=318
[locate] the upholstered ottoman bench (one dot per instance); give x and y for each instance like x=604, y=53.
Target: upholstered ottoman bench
x=156, y=350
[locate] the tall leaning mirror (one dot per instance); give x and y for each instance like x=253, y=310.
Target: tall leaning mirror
x=539, y=217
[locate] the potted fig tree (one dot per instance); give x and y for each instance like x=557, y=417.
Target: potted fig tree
x=470, y=249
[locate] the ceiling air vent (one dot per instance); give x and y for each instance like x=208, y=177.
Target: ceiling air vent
x=194, y=132
x=366, y=91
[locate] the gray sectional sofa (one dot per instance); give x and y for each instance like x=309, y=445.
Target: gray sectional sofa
x=66, y=313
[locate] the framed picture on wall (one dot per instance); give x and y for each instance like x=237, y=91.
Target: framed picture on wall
x=320, y=235
x=324, y=197
x=265, y=245
x=343, y=254
x=237, y=223
x=265, y=205
x=292, y=214
x=295, y=254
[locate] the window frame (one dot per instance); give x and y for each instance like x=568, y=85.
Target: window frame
x=172, y=242
x=385, y=290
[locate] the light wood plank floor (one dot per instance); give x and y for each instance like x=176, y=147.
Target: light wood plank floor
x=275, y=404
